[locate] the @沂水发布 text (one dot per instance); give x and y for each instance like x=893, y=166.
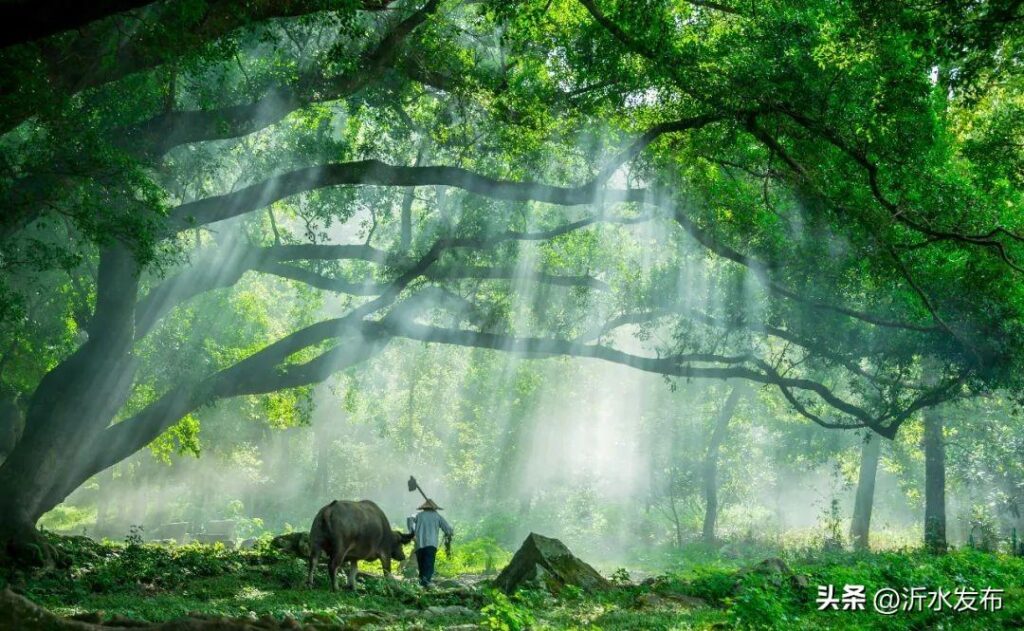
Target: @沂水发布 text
x=888, y=600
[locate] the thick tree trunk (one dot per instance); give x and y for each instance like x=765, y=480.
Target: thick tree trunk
x=711, y=464
x=934, y=483
x=68, y=434
x=41, y=19
x=67, y=413
x=860, y=527
x=12, y=424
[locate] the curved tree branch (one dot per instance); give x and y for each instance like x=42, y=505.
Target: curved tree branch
x=760, y=270
x=679, y=366
x=36, y=19
x=160, y=134
x=377, y=173
x=214, y=271
x=100, y=53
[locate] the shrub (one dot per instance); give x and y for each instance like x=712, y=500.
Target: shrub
x=757, y=607
x=502, y=614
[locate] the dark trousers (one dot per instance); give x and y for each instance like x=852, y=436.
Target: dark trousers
x=425, y=561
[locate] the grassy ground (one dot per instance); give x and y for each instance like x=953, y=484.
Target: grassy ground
x=702, y=590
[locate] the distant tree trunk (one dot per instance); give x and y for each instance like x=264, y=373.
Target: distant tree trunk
x=711, y=464
x=511, y=461
x=405, y=231
x=934, y=483
x=860, y=527
x=525, y=503
x=405, y=238
x=139, y=505
x=323, y=455
x=106, y=481
x=675, y=521
x=157, y=513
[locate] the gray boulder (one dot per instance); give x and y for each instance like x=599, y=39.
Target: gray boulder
x=177, y=531
x=210, y=539
x=248, y=544
x=548, y=563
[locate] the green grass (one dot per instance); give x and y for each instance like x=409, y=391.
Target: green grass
x=155, y=583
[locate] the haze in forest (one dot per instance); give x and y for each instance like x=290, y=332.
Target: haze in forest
x=645, y=274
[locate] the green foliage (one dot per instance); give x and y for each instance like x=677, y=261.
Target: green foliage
x=180, y=438
x=68, y=519
x=482, y=555
x=833, y=526
x=245, y=526
x=848, y=217
x=502, y=613
x=713, y=584
x=160, y=583
x=620, y=577
x=757, y=607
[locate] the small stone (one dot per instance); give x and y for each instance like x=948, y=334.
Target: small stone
x=688, y=602
x=664, y=601
x=650, y=601
x=362, y=619
x=92, y=617
x=773, y=569
x=436, y=611
x=449, y=584
x=124, y=622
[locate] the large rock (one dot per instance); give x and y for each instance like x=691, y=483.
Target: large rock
x=210, y=539
x=776, y=572
x=248, y=544
x=222, y=527
x=547, y=563
x=177, y=531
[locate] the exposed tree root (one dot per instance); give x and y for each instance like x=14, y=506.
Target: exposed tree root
x=17, y=612
x=23, y=545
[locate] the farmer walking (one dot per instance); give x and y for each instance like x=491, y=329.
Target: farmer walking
x=425, y=525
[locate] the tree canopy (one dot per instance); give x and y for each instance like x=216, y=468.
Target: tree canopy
x=206, y=200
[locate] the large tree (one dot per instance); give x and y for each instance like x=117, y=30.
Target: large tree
x=795, y=195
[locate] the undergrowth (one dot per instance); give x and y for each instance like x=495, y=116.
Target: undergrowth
x=704, y=589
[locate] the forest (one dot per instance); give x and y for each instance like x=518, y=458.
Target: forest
x=527, y=314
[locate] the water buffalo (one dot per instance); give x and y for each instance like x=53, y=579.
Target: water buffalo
x=349, y=532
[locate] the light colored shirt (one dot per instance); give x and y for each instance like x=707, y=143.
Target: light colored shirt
x=425, y=525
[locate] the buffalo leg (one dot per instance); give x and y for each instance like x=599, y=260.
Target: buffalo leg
x=353, y=569
x=385, y=564
x=332, y=568
x=314, y=558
